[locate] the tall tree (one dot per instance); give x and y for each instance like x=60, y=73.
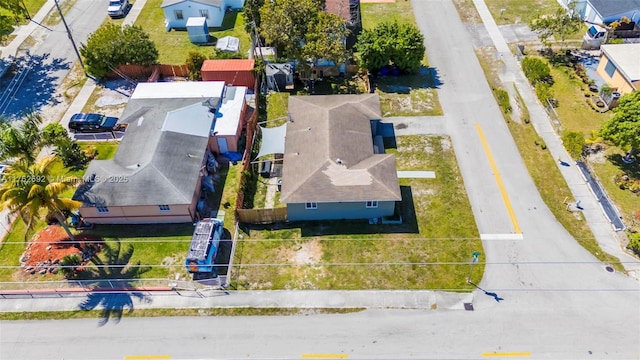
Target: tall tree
x=558, y=25
x=285, y=24
x=251, y=14
x=326, y=39
x=112, y=45
x=29, y=188
x=23, y=141
x=623, y=129
x=391, y=43
x=11, y=12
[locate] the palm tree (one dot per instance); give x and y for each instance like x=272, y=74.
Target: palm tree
x=23, y=141
x=29, y=188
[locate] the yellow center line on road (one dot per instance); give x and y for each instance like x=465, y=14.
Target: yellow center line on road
x=325, y=356
x=496, y=174
x=507, y=354
x=142, y=357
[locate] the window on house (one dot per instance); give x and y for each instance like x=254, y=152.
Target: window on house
x=178, y=14
x=204, y=13
x=164, y=208
x=311, y=205
x=610, y=69
x=102, y=209
x=372, y=204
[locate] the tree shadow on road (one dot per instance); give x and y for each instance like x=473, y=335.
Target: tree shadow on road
x=111, y=279
x=30, y=84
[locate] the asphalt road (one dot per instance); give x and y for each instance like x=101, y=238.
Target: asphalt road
x=372, y=334
x=556, y=300
x=47, y=64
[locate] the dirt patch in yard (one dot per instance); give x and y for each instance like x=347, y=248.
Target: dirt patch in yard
x=49, y=246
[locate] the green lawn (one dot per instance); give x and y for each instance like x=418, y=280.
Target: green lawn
x=33, y=6
x=438, y=227
x=375, y=13
x=574, y=112
x=174, y=46
x=576, y=115
x=105, y=150
x=277, y=104
x=163, y=247
x=519, y=11
x=606, y=167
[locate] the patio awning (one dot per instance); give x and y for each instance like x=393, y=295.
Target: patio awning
x=272, y=140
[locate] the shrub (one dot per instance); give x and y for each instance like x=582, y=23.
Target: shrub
x=536, y=70
x=503, y=100
x=71, y=154
x=634, y=243
x=544, y=92
x=54, y=133
x=574, y=143
x=194, y=64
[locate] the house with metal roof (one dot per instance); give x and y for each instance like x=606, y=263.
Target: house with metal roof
x=178, y=12
x=330, y=168
x=156, y=173
x=620, y=67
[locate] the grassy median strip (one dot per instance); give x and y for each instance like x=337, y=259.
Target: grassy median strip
x=240, y=311
x=545, y=173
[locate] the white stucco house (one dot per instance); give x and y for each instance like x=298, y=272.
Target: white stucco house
x=177, y=12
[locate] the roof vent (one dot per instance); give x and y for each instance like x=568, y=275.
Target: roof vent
x=339, y=161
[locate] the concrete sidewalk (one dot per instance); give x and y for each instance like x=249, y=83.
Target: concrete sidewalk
x=22, y=32
x=600, y=226
x=371, y=299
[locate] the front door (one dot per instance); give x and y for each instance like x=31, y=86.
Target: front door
x=222, y=145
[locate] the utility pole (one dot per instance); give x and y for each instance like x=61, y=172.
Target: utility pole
x=75, y=48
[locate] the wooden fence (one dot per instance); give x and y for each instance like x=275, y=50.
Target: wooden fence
x=261, y=216
x=149, y=73
x=246, y=164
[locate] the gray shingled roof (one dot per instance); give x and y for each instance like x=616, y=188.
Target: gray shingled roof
x=329, y=152
x=161, y=167
x=272, y=69
x=216, y=3
x=614, y=7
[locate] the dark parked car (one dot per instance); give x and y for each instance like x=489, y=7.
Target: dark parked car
x=84, y=122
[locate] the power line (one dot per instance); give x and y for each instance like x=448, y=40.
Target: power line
x=302, y=240
x=335, y=264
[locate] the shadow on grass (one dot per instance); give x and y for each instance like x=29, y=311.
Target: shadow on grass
x=137, y=231
x=110, y=277
x=229, y=21
x=632, y=170
x=425, y=78
x=350, y=227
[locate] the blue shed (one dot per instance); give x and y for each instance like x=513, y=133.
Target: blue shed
x=198, y=30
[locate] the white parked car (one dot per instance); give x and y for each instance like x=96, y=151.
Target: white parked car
x=117, y=8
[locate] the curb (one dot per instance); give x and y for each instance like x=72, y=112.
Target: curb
x=4, y=293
